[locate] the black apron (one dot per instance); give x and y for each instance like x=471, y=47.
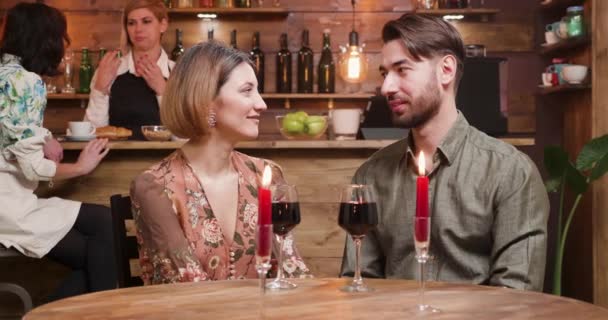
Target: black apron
x=133, y=104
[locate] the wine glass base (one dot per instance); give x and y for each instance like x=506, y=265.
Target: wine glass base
x=281, y=284
x=425, y=308
x=356, y=288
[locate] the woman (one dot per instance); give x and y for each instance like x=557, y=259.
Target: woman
x=196, y=210
x=78, y=235
x=126, y=91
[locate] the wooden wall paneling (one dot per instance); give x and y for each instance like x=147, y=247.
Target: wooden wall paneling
x=599, y=128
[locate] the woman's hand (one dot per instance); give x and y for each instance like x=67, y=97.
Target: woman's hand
x=53, y=150
x=91, y=155
x=106, y=71
x=151, y=73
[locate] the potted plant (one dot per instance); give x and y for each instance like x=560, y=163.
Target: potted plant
x=591, y=164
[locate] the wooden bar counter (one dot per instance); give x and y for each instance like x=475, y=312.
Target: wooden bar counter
x=316, y=299
x=316, y=167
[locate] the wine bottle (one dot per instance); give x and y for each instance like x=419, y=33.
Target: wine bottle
x=284, y=66
x=257, y=57
x=233, y=39
x=305, y=65
x=327, y=68
x=178, y=51
x=86, y=72
x=210, y=34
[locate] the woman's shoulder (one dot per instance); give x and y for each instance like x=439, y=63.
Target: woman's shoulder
x=158, y=172
x=256, y=165
x=16, y=80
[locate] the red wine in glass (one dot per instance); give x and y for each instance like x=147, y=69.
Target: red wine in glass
x=285, y=216
x=357, y=218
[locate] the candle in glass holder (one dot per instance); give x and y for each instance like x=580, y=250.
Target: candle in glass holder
x=422, y=200
x=264, y=211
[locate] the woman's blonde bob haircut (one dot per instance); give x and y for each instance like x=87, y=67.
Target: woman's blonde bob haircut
x=194, y=84
x=158, y=10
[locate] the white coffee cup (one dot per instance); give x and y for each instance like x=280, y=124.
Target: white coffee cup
x=551, y=37
x=80, y=129
x=547, y=77
x=345, y=123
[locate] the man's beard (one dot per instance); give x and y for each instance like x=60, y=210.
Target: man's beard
x=422, y=110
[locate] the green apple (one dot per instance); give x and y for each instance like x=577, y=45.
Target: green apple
x=293, y=126
x=312, y=119
x=301, y=115
x=314, y=128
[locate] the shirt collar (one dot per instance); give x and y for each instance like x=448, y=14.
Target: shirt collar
x=8, y=58
x=451, y=144
x=129, y=65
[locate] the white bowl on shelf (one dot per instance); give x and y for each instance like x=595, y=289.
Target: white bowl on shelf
x=574, y=74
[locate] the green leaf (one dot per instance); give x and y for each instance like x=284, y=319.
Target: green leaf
x=238, y=239
x=252, y=190
x=552, y=184
x=556, y=161
x=250, y=251
x=592, y=152
x=238, y=254
x=600, y=168
x=251, y=166
x=576, y=180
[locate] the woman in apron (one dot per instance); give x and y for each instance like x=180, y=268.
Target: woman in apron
x=77, y=235
x=126, y=91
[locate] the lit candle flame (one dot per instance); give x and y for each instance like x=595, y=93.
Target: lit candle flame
x=266, y=177
x=421, y=164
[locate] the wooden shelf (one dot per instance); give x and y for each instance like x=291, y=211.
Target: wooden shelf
x=360, y=96
x=564, y=88
x=464, y=12
x=566, y=44
x=275, y=144
x=279, y=12
x=554, y=5
x=316, y=95
x=67, y=96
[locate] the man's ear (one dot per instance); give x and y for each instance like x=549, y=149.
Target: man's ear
x=448, y=66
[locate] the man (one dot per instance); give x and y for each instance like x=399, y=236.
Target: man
x=488, y=204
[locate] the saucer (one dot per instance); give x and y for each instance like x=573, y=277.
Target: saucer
x=79, y=138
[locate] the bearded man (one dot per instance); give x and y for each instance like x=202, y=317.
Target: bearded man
x=488, y=204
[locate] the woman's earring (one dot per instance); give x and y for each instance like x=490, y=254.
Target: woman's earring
x=212, y=121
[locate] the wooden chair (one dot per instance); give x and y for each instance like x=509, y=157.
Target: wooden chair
x=14, y=288
x=125, y=242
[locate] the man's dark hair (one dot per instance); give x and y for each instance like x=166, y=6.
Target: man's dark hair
x=428, y=37
x=37, y=34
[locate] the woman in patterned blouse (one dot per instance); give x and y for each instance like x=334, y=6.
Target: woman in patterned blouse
x=77, y=235
x=196, y=211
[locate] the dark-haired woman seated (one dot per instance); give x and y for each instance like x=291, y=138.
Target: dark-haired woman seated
x=78, y=235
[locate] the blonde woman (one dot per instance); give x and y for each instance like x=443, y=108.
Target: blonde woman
x=196, y=210
x=126, y=91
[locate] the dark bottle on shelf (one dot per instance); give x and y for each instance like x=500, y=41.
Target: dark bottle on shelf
x=243, y=3
x=305, y=65
x=86, y=72
x=284, y=66
x=233, y=39
x=327, y=69
x=210, y=34
x=178, y=51
x=257, y=57
x=168, y=4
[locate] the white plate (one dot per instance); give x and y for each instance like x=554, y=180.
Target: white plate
x=76, y=138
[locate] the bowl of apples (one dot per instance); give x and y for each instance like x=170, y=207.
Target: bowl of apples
x=301, y=126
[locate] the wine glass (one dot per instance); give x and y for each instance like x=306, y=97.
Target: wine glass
x=263, y=240
x=68, y=72
x=285, y=216
x=422, y=241
x=358, y=214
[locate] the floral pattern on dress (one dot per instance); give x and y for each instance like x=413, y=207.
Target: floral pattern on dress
x=179, y=236
x=22, y=102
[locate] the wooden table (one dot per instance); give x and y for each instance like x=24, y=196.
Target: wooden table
x=315, y=299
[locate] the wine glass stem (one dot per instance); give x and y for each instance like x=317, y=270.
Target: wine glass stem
x=357, y=280
x=280, y=275
x=422, y=282
x=262, y=276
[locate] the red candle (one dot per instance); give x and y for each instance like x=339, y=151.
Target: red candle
x=422, y=201
x=264, y=213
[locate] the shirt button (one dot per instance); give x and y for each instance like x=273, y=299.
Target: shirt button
x=232, y=259
x=231, y=254
x=232, y=272
x=231, y=266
